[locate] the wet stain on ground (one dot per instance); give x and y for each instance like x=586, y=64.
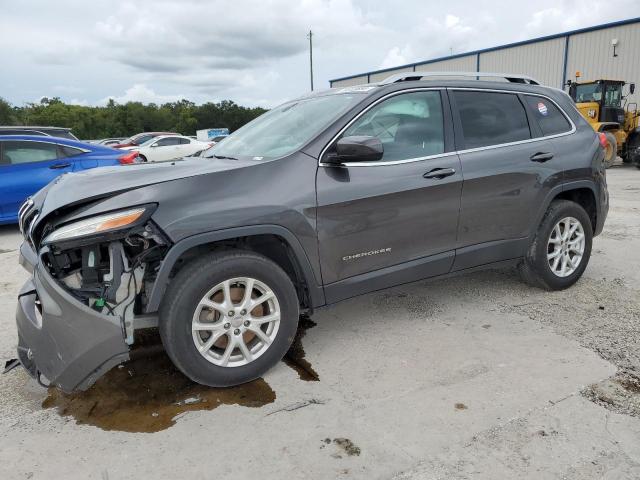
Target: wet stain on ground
x=460, y=406
x=344, y=447
x=146, y=395
x=2, y=250
x=295, y=357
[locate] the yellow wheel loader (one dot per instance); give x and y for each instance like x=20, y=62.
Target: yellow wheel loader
x=605, y=107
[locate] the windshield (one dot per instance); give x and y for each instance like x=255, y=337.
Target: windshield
x=588, y=92
x=145, y=141
x=284, y=129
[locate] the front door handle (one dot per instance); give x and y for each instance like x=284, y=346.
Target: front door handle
x=57, y=166
x=440, y=173
x=541, y=157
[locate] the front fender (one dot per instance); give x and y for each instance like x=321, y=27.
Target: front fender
x=316, y=292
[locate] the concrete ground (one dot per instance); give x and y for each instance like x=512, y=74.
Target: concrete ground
x=477, y=376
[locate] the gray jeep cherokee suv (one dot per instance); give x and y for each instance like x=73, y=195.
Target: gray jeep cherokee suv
x=329, y=196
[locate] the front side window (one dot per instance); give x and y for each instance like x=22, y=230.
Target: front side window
x=613, y=95
x=490, y=118
x=20, y=152
x=551, y=120
x=165, y=142
x=409, y=125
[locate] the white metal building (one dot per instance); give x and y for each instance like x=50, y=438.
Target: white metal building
x=609, y=51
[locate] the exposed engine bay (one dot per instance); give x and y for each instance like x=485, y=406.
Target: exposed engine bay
x=113, y=275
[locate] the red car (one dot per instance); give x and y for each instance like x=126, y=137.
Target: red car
x=140, y=138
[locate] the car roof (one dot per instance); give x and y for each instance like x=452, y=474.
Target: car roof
x=433, y=82
x=58, y=140
x=32, y=127
x=159, y=137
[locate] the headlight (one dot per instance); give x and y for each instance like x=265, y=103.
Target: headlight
x=92, y=225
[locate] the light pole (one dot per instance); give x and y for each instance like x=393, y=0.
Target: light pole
x=310, y=37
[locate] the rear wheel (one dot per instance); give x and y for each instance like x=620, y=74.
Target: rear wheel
x=561, y=248
x=611, y=150
x=228, y=318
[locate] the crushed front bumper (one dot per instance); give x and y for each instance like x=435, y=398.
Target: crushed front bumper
x=61, y=338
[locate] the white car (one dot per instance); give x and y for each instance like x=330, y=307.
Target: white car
x=168, y=147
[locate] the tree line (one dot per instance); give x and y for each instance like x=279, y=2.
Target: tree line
x=123, y=120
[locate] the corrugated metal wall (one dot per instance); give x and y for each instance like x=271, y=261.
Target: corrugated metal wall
x=592, y=55
x=589, y=51
x=350, y=82
x=542, y=61
x=377, y=77
x=460, y=64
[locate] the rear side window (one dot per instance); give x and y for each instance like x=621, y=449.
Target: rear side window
x=17, y=152
x=184, y=141
x=490, y=118
x=549, y=117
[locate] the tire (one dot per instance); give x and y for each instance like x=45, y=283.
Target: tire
x=193, y=284
x=142, y=158
x=535, y=268
x=611, y=151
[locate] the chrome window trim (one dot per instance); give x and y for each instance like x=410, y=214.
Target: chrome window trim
x=445, y=154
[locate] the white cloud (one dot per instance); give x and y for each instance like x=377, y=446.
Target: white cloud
x=397, y=56
x=142, y=93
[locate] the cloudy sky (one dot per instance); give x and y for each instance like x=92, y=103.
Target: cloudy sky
x=252, y=52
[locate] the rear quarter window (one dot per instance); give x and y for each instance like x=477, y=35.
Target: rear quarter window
x=551, y=120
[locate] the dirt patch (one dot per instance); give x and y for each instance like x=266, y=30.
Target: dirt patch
x=147, y=394
x=620, y=393
x=460, y=406
x=295, y=357
x=344, y=447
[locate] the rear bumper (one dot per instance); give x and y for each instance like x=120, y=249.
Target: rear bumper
x=60, y=337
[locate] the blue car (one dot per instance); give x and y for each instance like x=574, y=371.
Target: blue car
x=29, y=162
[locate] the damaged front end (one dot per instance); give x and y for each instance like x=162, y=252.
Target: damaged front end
x=77, y=316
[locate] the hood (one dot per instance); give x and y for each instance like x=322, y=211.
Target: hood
x=92, y=184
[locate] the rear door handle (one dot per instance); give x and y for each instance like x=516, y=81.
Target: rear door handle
x=541, y=157
x=58, y=166
x=440, y=173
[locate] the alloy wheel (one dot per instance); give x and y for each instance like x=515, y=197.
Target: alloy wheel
x=236, y=322
x=565, y=247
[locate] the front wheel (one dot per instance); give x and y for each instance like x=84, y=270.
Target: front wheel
x=229, y=317
x=561, y=248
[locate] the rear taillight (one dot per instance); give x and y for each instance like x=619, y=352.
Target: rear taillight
x=129, y=158
x=603, y=140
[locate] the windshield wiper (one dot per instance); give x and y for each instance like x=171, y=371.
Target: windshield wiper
x=222, y=157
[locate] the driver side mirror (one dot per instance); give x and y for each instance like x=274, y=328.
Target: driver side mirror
x=632, y=88
x=357, y=149
x=154, y=145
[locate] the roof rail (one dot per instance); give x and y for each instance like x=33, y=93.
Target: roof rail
x=409, y=76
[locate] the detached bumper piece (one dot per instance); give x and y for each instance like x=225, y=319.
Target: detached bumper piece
x=62, y=339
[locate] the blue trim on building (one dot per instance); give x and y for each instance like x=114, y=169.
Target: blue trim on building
x=500, y=47
x=565, y=61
